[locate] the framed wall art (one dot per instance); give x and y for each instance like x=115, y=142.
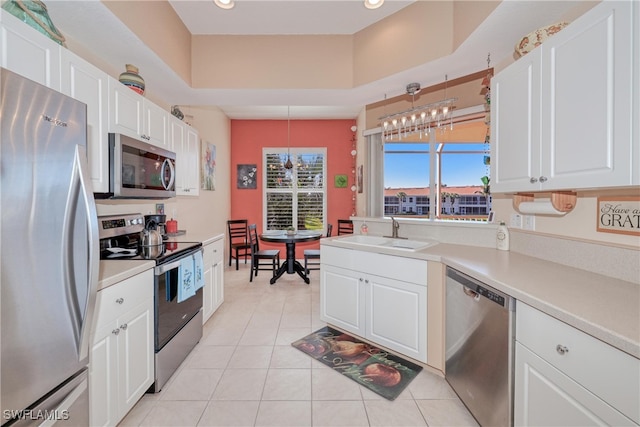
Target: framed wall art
x=619, y=215
x=208, y=170
x=247, y=177
x=340, y=181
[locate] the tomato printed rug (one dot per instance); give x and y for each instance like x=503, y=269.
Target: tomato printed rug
x=378, y=370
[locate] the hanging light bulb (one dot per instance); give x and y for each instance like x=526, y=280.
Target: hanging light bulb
x=288, y=165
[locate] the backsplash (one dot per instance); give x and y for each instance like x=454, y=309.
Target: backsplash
x=609, y=260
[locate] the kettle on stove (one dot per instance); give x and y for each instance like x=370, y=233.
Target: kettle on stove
x=150, y=237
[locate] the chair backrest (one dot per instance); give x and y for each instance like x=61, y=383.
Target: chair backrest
x=253, y=238
x=237, y=230
x=345, y=226
x=329, y=229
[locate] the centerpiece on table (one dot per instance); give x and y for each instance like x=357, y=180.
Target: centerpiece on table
x=291, y=231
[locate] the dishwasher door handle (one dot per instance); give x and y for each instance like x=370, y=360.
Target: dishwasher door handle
x=470, y=293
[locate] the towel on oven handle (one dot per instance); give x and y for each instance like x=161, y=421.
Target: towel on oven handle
x=186, y=285
x=199, y=270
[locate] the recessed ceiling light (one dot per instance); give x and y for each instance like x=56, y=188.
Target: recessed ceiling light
x=373, y=4
x=224, y=4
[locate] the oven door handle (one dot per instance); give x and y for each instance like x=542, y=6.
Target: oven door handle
x=163, y=268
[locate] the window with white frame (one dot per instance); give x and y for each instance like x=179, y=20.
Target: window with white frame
x=294, y=197
x=439, y=177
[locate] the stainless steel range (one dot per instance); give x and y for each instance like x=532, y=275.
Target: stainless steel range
x=178, y=323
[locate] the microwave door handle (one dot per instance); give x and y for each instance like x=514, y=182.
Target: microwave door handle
x=81, y=312
x=173, y=173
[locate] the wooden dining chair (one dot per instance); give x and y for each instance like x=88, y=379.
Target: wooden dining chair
x=345, y=226
x=312, y=256
x=238, y=240
x=257, y=255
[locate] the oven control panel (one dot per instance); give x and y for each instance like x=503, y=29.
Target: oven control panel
x=118, y=225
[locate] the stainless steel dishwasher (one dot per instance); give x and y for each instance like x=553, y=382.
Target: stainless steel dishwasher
x=480, y=328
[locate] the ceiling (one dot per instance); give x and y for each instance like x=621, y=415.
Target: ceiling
x=92, y=25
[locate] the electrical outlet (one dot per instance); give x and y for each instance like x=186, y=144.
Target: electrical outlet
x=516, y=221
x=529, y=222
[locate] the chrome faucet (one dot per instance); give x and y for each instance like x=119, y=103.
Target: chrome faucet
x=395, y=226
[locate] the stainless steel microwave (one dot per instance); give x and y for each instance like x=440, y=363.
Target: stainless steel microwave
x=139, y=170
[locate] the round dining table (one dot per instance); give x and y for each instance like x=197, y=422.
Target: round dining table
x=290, y=265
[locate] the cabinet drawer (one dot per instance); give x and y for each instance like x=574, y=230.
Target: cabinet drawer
x=218, y=251
x=394, y=267
x=114, y=301
x=607, y=372
x=208, y=256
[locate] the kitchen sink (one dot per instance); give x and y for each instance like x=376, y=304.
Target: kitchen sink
x=388, y=242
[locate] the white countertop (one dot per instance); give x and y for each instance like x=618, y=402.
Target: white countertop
x=606, y=308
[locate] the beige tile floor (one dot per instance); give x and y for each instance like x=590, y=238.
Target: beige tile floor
x=244, y=371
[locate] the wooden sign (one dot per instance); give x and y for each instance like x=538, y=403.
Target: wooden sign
x=619, y=215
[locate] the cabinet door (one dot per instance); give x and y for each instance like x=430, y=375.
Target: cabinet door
x=155, y=124
x=587, y=81
x=515, y=126
x=544, y=396
x=342, y=301
x=192, y=162
x=29, y=53
x=397, y=316
x=86, y=83
x=125, y=110
x=207, y=295
x=208, y=290
x=103, y=377
x=186, y=144
x=135, y=352
x=217, y=273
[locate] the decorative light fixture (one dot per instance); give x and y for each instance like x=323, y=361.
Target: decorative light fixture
x=288, y=165
x=373, y=4
x=224, y=4
x=418, y=120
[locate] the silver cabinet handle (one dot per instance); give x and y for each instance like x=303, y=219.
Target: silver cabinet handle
x=120, y=300
x=361, y=279
x=115, y=331
x=533, y=180
x=124, y=327
x=366, y=281
x=543, y=179
x=562, y=350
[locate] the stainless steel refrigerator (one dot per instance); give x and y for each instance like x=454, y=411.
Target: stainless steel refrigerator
x=49, y=250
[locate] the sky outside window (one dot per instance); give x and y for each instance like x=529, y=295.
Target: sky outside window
x=407, y=165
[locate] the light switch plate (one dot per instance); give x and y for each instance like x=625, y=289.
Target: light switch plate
x=516, y=221
x=529, y=222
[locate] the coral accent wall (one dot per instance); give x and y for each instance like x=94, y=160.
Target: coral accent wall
x=248, y=137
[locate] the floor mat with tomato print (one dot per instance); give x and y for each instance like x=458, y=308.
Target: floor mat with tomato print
x=380, y=371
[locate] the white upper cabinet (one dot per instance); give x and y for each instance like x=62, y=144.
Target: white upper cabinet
x=133, y=115
x=86, y=83
x=562, y=115
x=185, y=142
x=29, y=53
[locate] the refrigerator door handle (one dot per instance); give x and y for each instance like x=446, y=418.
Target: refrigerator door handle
x=81, y=309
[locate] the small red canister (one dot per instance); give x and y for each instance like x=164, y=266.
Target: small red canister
x=172, y=226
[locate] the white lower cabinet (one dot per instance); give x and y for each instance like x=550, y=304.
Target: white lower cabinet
x=389, y=311
x=213, y=291
x=121, y=359
x=564, y=377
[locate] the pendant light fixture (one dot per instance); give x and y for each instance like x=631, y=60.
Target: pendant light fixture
x=288, y=165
